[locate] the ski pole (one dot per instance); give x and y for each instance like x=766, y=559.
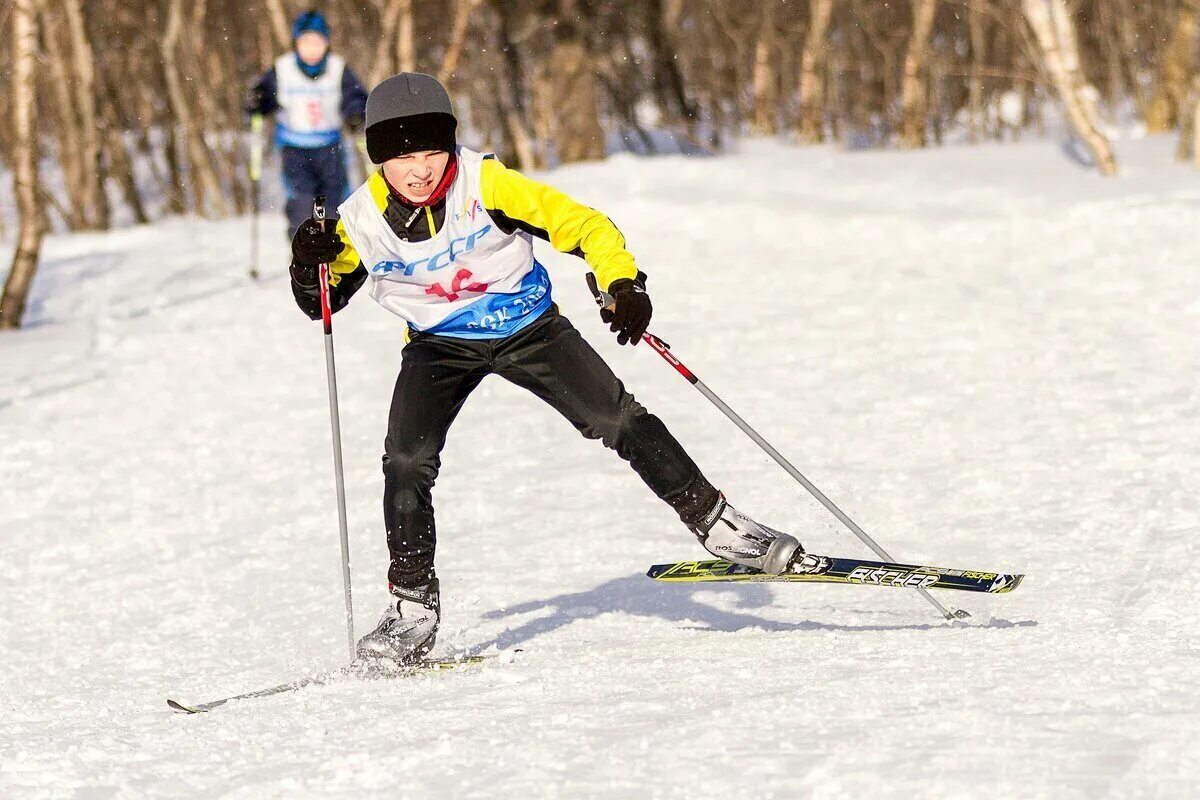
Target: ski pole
x=256, y=159
x=336, y=424
x=664, y=350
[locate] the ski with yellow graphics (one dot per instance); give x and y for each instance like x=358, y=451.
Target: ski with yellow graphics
x=826, y=569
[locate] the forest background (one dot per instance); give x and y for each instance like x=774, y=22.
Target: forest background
x=131, y=110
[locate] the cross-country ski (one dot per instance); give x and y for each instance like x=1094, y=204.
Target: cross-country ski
x=360, y=670
x=812, y=568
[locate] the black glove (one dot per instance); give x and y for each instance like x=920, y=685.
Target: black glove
x=312, y=246
x=631, y=315
x=253, y=103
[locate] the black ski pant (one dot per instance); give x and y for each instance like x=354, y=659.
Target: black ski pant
x=550, y=359
x=308, y=172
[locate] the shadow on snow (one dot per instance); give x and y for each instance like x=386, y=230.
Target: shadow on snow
x=639, y=596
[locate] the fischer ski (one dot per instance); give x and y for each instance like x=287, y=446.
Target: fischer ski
x=357, y=669
x=825, y=569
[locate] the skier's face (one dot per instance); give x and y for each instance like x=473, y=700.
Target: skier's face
x=416, y=175
x=311, y=47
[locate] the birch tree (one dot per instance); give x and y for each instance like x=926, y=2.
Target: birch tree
x=812, y=68
x=202, y=174
x=765, y=78
x=1055, y=34
x=24, y=30
x=912, y=90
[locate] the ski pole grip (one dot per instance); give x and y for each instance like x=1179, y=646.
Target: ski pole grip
x=256, y=147
x=323, y=269
x=319, y=210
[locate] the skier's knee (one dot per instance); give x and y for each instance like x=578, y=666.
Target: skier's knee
x=410, y=466
x=626, y=424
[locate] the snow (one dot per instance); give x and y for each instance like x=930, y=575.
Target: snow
x=986, y=355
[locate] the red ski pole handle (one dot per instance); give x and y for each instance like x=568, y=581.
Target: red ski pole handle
x=323, y=268
x=664, y=350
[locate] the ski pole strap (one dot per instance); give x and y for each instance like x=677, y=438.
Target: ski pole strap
x=603, y=298
x=323, y=268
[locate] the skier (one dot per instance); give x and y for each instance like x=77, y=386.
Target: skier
x=313, y=94
x=444, y=237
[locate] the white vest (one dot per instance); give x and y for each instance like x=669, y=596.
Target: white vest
x=310, y=110
x=470, y=280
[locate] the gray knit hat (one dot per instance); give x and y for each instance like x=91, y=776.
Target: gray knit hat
x=407, y=113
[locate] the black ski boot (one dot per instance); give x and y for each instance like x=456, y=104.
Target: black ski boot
x=731, y=535
x=408, y=628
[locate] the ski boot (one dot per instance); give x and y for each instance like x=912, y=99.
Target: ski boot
x=408, y=628
x=731, y=535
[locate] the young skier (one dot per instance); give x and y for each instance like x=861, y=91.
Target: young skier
x=444, y=238
x=313, y=94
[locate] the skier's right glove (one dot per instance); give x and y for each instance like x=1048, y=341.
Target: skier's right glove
x=630, y=315
x=312, y=246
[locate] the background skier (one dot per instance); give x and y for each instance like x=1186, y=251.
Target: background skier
x=312, y=93
x=444, y=236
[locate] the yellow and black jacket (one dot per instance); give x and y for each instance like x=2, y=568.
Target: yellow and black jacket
x=515, y=203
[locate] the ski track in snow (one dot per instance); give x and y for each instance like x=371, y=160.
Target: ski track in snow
x=987, y=356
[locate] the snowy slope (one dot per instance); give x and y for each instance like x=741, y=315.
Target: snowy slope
x=986, y=355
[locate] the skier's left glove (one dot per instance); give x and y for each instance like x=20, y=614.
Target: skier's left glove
x=254, y=101
x=312, y=246
x=630, y=315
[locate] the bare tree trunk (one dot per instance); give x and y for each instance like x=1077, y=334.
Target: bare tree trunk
x=812, y=69
x=120, y=162
x=1055, y=34
x=224, y=150
x=122, y=168
x=458, y=37
x=508, y=88
x=913, y=90
x=978, y=59
x=25, y=166
x=66, y=124
x=383, y=64
x=1189, y=127
x=280, y=27
x=573, y=91
x=1168, y=105
x=265, y=41
x=1196, y=124
x=1120, y=17
x=541, y=111
x=813, y=103
x=94, y=200
x=764, y=74
x=406, y=46
x=662, y=22
x=201, y=172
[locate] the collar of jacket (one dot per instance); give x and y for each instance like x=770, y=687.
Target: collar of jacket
x=313, y=71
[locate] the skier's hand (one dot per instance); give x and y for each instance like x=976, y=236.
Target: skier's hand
x=312, y=246
x=630, y=314
x=253, y=104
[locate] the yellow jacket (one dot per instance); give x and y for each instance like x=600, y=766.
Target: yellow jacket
x=514, y=202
